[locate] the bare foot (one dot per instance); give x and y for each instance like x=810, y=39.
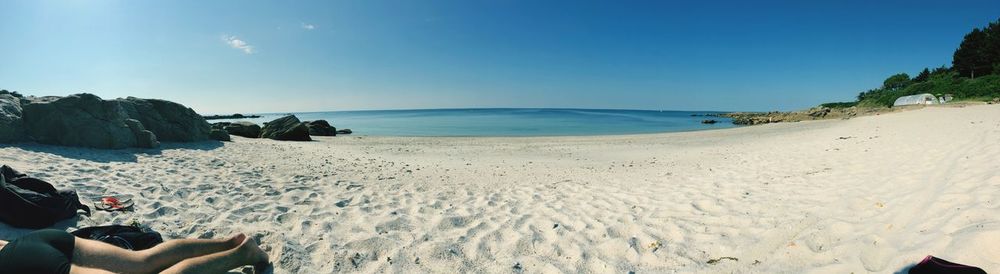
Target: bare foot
x=236, y=239
x=253, y=254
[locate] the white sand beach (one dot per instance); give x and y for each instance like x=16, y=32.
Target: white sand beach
x=871, y=194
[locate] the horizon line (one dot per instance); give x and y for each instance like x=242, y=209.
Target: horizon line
x=473, y=108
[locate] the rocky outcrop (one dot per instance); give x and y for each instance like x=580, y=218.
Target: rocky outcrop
x=287, y=128
x=816, y=113
x=77, y=120
x=244, y=129
x=86, y=120
x=11, y=123
x=753, y=118
x=219, y=135
x=143, y=138
x=171, y=122
x=344, y=131
x=321, y=128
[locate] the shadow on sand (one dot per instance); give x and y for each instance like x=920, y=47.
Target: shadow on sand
x=110, y=155
x=905, y=270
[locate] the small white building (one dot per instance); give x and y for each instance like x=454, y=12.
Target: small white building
x=919, y=99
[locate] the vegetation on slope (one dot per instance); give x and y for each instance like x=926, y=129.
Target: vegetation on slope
x=974, y=74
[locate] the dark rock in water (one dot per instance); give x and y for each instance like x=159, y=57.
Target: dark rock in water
x=77, y=120
x=219, y=135
x=243, y=128
x=234, y=116
x=344, y=131
x=709, y=121
x=321, y=128
x=11, y=124
x=287, y=128
x=143, y=138
x=171, y=122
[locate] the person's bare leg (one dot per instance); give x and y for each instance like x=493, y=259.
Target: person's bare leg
x=75, y=269
x=95, y=254
x=247, y=253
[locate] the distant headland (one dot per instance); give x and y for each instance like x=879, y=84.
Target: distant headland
x=233, y=116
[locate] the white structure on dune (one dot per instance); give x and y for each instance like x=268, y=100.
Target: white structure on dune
x=919, y=99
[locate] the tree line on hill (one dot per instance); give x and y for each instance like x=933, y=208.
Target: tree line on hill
x=974, y=74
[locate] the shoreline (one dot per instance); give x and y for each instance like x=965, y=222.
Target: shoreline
x=778, y=116
x=783, y=197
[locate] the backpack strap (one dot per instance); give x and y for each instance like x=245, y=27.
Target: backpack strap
x=9, y=172
x=85, y=208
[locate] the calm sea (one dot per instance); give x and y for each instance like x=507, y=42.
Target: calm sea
x=507, y=122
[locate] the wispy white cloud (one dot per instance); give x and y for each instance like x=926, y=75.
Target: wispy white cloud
x=237, y=43
x=308, y=26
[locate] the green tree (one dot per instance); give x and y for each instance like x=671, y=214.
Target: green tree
x=940, y=70
x=991, y=49
x=979, y=52
x=923, y=76
x=968, y=58
x=897, y=81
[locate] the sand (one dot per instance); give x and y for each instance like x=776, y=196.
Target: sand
x=871, y=194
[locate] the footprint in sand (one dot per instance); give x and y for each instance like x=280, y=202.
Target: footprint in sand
x=343, y=203
x=286, y=217
x=817, y=241
x=875, y=255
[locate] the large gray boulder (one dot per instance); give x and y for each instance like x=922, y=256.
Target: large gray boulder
x=11, y=123
x=77, y=120
x=89, y=121
x=219, y=135
x=321, y=128
x=143, y=138
x=171, y=122
x=243, y=128
x=287, y=128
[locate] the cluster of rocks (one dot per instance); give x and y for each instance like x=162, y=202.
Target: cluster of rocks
x=816, y=113
x=241, y=128
x=287, y=128
x=234, y=116
x=86, y=120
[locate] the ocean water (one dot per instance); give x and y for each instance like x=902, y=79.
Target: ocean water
x=507, y=122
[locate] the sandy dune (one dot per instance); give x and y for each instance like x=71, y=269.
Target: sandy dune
x=871, y=194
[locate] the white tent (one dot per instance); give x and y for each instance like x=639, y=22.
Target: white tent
x=919, y=99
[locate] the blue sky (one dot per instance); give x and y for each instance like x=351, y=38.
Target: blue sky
x=282, y=56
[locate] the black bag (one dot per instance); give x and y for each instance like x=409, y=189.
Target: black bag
x=127, y=237
x=32, y=203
